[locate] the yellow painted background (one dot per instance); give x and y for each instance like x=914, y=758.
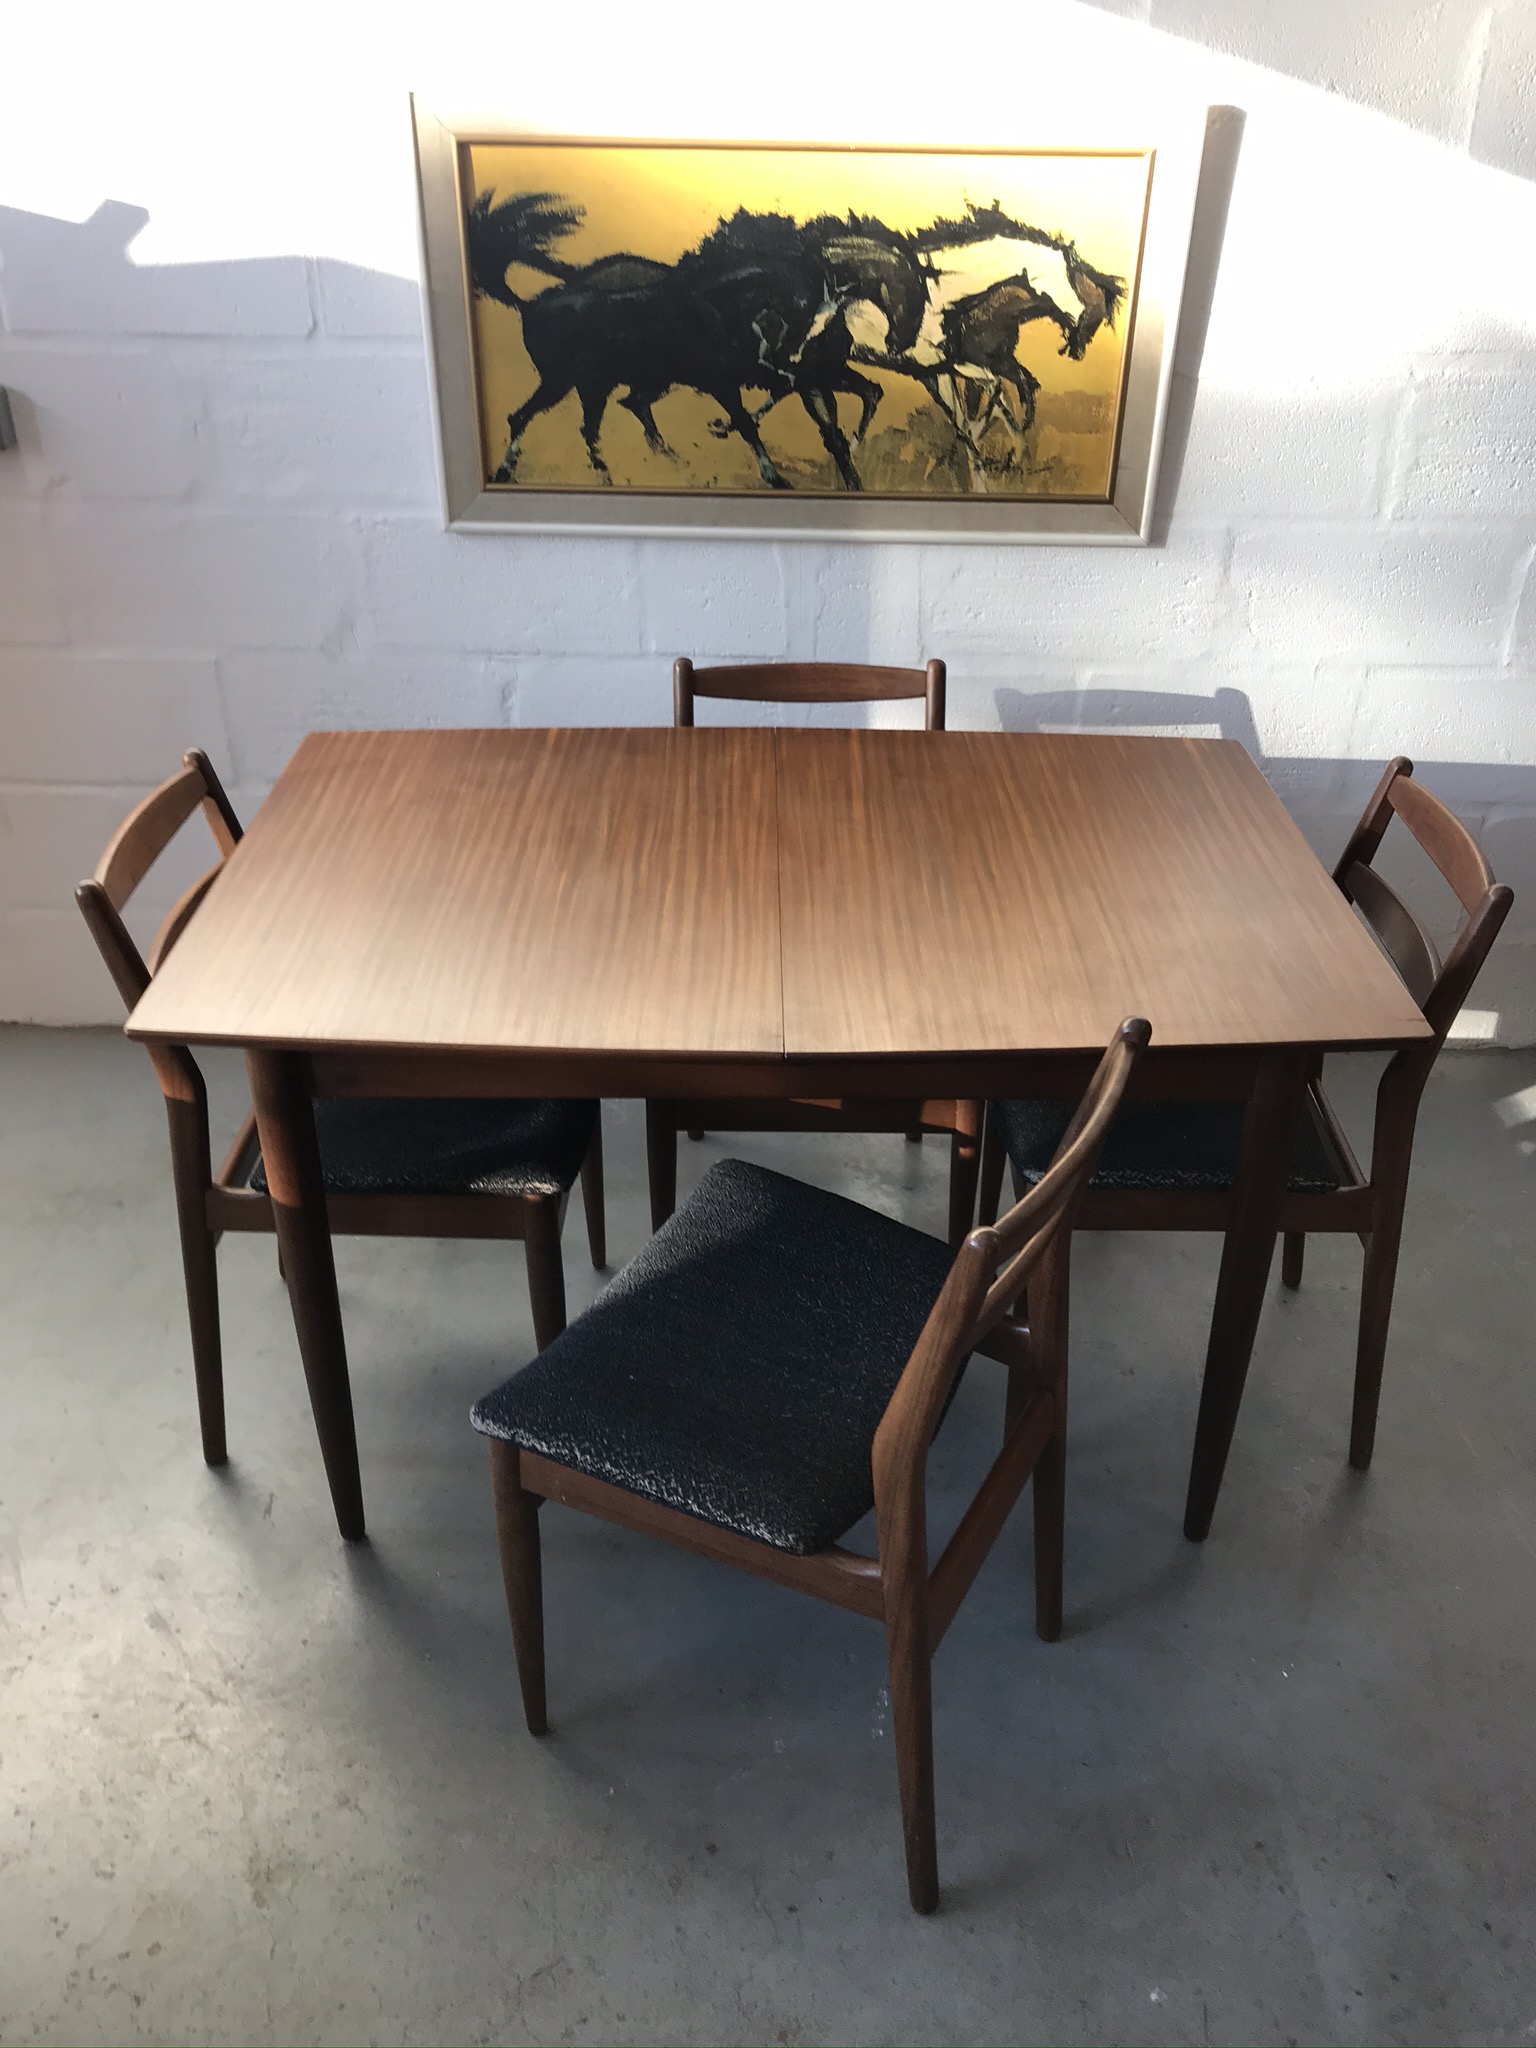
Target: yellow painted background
x=659, y=201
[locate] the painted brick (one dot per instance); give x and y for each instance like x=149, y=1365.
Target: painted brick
x=561, y=690
x=1509, y=840
x=1506, y=992
x=1359, y=594
x=1415, y=63
x=50, y=838
x=51, y=972
x=503, y=594
x=367, y=304
x=1522, y=640
x=1504, y=127
x=1469, y=445
x=103, y=718
x=1269, y=711
x=273, y=700
x=1468, y=728
x=96, y=425
x=722, y=599
x=30, y=610
x=1032, y=604
x=348, y=430
x=1270, y=451
x=143, y=579
x=63, y=277
x=854, y=604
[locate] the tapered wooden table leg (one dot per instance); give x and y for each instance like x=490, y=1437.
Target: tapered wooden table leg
x=285, y=1122
x=1245, y=1262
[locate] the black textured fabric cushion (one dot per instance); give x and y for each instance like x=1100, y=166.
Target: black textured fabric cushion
x=449, y=1147
x=1161, y=1146
x=738, y=1367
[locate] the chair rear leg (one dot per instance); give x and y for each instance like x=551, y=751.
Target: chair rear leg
x=697, y=1137
x=964, y=1166
x=906, y=1635
x=1050, y=1501
x=991, y=1177
x=1292, y=1252
x=517, y=1535
x=914, y=1134
x=592, y=1195
x=192, y=1172
x=546, y=1270
x=661, y=1163
x=1376, y=1287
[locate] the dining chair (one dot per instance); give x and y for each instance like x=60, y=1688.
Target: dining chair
x=814, y=682
x=1171, y=1165
x=429, y=1168
x=775, y=1362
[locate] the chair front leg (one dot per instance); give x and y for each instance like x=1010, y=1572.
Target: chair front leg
x=911, y=1675
x=192, y=1173
x=1049, y=1304
x=546, y=1270
x=902, y=1545
x=1293, y=1252
x=1391, y=1159
x=517, y=1535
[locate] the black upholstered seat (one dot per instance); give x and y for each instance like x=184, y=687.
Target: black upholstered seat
x=1165, y=1147
x=738, y=1367
x=449, y=1146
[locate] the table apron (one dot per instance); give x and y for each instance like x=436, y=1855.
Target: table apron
x=1218, y=1074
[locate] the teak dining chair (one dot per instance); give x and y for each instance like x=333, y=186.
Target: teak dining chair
x=814, y=682
x=1171, y=1165
x=437, y=1168
x=776, y=1362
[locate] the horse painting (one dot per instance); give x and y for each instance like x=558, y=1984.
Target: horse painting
x=883, y=337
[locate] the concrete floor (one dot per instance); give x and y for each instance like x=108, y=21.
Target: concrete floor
x=257, y=1786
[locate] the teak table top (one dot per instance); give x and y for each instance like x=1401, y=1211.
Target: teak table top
x=729, y=894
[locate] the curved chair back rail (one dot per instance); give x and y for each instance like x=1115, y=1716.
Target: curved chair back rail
x=1438, y=987
x=130, y=855
x=808, y=682
x=729, y=1300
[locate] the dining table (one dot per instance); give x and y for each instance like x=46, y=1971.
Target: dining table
x=775, y=914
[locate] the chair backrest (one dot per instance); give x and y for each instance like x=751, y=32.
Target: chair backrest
x=1439, y=987
x=132, y=851
x=808, y=682
x=994, y=1266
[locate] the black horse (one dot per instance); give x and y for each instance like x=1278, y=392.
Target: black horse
x=727, y=317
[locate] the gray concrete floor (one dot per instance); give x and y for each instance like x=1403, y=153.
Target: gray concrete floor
x=257, y=1786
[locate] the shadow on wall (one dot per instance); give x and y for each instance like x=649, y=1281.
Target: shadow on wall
x=1417, y=70
x=77, y=277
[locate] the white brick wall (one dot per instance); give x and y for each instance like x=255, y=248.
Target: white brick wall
x=221, y=527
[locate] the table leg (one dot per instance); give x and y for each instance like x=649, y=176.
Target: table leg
x=285, y=1122
x=1245, y=1262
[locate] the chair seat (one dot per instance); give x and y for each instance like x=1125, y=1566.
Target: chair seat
x=737, y=1369
x=448, y=1146
x=1163, y=1147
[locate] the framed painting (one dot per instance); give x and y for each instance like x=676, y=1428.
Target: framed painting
x=792, y=338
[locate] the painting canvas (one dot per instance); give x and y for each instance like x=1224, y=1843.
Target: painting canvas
x=684, y=318
x=856, y=338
